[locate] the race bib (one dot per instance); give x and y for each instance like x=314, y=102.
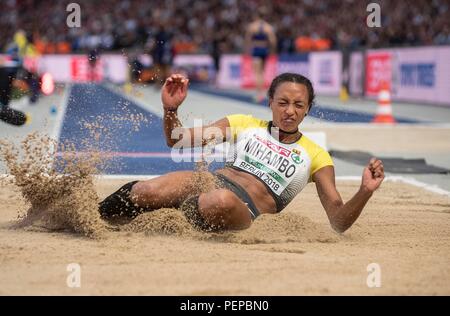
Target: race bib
x=275, y=163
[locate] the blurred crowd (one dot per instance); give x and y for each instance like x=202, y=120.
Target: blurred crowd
x=197, y=25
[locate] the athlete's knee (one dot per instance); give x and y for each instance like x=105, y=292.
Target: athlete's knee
x=224, y=200
x=222, y=208
x=206, y=211
x=190, y=208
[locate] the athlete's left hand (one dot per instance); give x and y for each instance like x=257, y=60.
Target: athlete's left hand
x=373, y=175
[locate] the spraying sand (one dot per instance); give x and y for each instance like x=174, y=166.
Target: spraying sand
x=54, y=200
x=56, y=182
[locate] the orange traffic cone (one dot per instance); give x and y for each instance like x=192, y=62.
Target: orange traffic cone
x=384, y=110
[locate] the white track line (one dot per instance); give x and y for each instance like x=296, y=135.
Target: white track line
x=61, y=114
x=411, y=181
x=408, y=180
x=175, y=155
x=126, y=177
x=429, y=187
x=350, y=125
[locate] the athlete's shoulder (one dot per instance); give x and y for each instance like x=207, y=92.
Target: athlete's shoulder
x=246, y=121
x=241, y=122
x=318, y=155
x=311, y=147
x=252, y=26
x=268, y=27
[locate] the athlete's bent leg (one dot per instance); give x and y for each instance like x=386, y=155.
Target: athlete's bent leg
x=222, y=209
x=169, y=190
x=140, y=196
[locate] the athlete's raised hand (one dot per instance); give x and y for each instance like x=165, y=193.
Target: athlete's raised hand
x=174, y=91
x=373, y=175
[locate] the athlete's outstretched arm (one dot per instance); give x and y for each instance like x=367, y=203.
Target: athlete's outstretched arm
x=173, y=94
x=342, y=215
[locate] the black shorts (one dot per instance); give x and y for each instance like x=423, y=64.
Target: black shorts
x=261, y=53
x=225, y=183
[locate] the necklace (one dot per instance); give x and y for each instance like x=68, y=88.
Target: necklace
x=284, y=132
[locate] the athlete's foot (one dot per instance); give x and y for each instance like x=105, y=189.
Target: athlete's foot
x=12, y=116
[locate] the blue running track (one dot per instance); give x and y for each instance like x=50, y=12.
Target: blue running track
x=142, y=152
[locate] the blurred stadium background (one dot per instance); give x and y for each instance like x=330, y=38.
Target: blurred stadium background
x=67, y=74
x=200, y=31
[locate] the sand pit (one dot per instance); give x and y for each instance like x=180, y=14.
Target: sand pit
x=404, y=229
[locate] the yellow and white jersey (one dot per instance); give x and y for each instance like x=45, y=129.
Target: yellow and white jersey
x=284, y=168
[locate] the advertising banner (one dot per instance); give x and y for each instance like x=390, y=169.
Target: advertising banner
x=298, y=63
x=248, y=74
x=76, y=68
x=199, y=68
x=378, y=72
x=82, y=71
x=325, y=69
x=230, y=71
x=420, y=74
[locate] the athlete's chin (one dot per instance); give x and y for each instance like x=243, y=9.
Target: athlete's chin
x=289, y=125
